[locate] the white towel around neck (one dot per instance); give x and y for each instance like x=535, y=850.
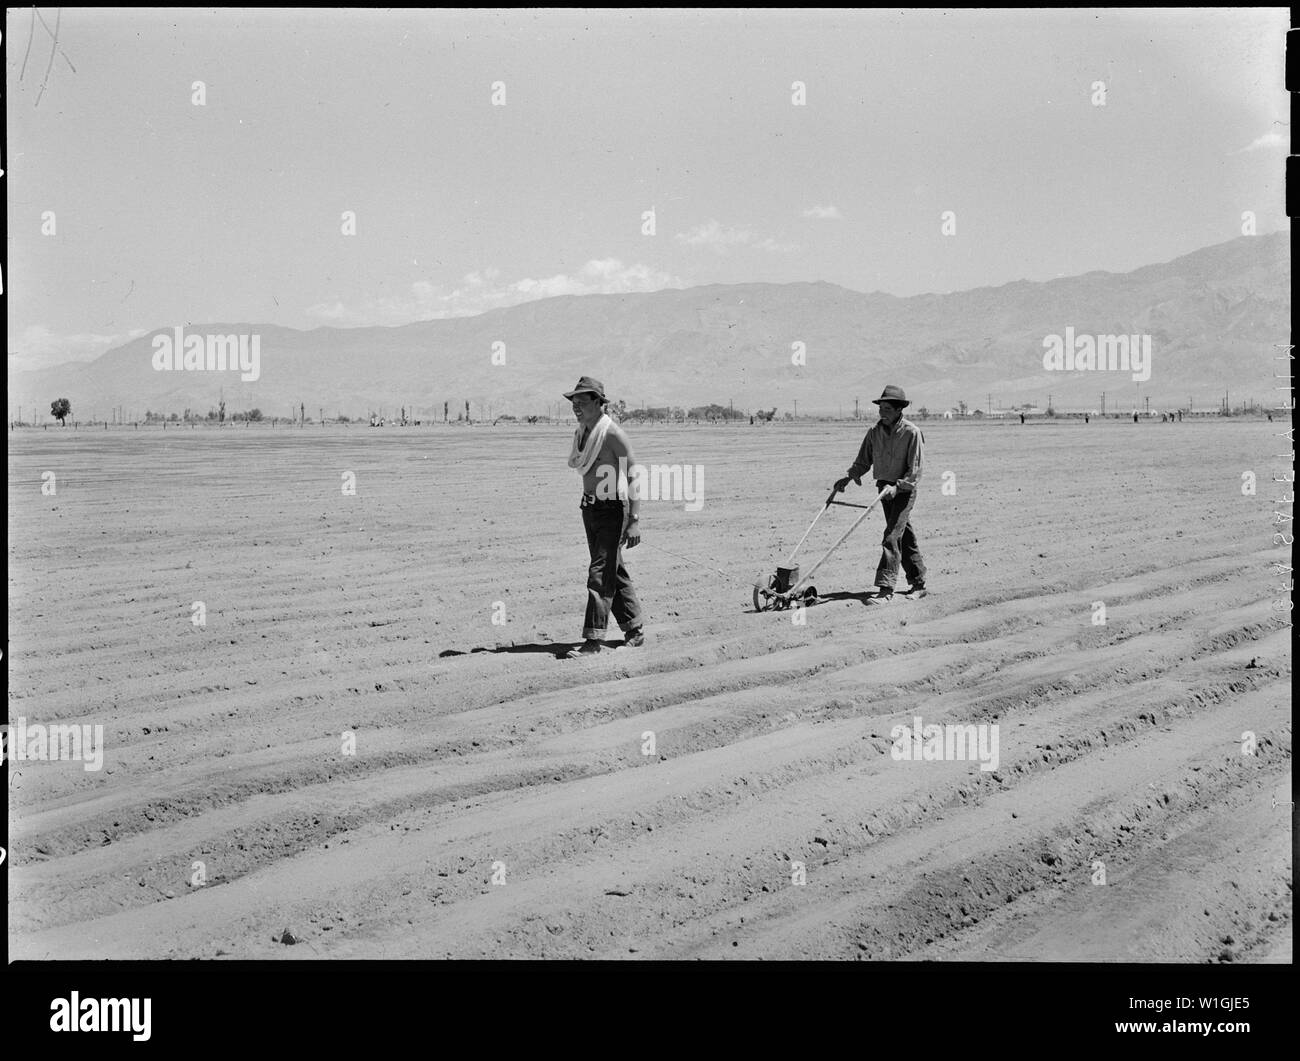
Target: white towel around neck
x=583, y=457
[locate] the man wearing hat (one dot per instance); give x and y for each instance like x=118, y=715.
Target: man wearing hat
x=602, y=455
x=893, y=449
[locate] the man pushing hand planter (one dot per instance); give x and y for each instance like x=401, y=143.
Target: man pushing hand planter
x=893, y=448
x=602, y=455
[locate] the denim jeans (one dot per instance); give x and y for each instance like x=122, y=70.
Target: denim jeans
x=899, y=543
x=609, y=586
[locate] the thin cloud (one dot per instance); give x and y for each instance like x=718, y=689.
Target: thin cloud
x=824, y=213
x=1269, y=139
x=480, y=291
x=722, y=239
x=38, y=347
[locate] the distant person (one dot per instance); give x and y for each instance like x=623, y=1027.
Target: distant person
x=893, y=450
x=1085, y=418
x=1135, y=418
x=602, y=455
x=1022, y=418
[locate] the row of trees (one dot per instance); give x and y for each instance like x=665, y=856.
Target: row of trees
x=218, y=415
x=620, y=411
x=61, y=409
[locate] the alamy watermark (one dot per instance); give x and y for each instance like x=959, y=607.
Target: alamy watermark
x=948, y=743
x=54, y=743
x=179, y=352
x=1099, y=353
x=77, y=1014
x=652, y=482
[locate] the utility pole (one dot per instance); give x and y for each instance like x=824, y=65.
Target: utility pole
x=1148, y=407
x=732, y=415
x=796, y=408
x=1103, y=403
x=855, y=408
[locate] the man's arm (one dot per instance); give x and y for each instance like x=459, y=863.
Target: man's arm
x=915, y=447
x=860, y=466
x=621, y=448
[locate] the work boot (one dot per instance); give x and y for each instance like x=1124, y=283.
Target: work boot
x=588, y=648
x=916, y=592
x=884, y=595
x=634, y=638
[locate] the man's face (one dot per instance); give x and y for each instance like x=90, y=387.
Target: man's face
x=585, y=408
x=889, y=413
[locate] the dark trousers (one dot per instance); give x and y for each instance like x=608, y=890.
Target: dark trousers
x=609, y=586
x=899, y=543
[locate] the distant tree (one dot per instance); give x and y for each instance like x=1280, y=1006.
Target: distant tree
x=712, y=411
x=618, y=410
x=221, y=411
x=652, y=412
x=61, y=409
x=923, y=413
x=254, y=414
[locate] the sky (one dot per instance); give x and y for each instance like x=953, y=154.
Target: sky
x=493, y=158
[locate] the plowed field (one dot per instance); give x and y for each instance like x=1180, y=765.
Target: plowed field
x=370, y=743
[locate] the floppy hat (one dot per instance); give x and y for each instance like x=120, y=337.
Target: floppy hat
x=892, y=394
x=587, y=385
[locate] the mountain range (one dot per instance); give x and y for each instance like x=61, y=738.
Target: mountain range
x=1212, y=315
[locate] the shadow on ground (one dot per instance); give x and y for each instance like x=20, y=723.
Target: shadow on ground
x=861, y=598
x=556, y=649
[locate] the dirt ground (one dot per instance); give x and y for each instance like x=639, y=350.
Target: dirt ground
x=725, y=791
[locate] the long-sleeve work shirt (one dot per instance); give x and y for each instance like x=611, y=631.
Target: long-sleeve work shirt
x=894, y=455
